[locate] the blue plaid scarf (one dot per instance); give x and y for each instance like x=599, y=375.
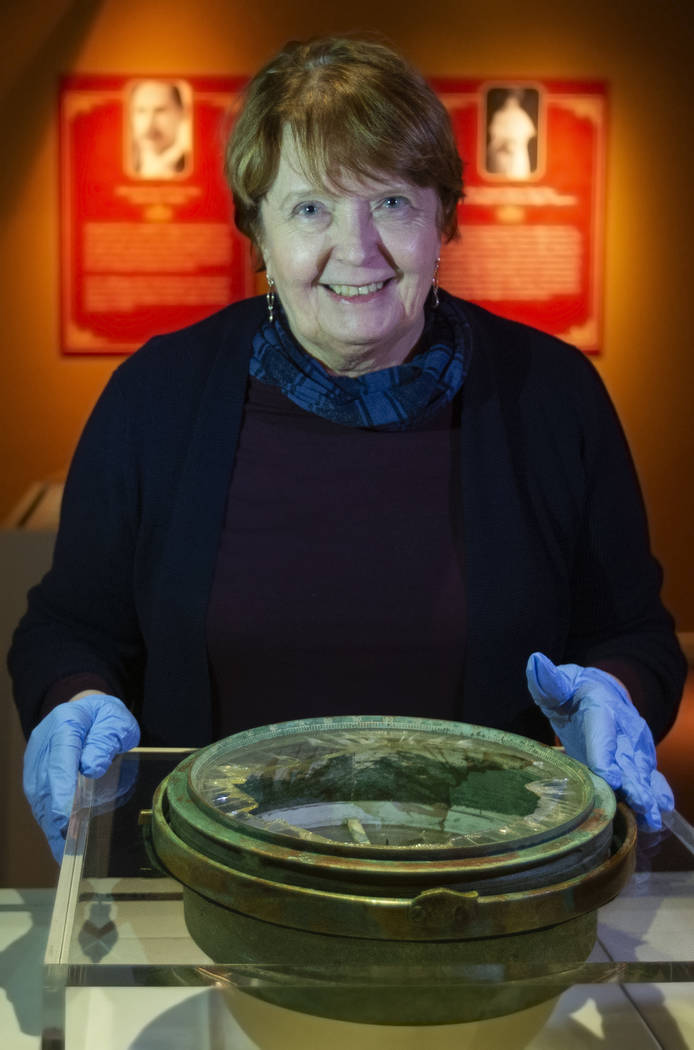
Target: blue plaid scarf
x=395, y=398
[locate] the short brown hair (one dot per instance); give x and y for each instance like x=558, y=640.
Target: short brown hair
x=353, y=105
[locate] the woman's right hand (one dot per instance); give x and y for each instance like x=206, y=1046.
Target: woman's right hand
x=83, y=735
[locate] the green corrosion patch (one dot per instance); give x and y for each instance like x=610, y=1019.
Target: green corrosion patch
x=502, y=791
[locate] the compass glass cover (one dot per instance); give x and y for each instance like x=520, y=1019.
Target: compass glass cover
x=368, y=783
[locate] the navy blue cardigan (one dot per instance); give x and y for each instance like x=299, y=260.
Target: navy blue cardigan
x=555, y=544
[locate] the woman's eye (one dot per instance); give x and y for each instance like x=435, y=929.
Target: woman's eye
x=394, y=202
x=307, y=209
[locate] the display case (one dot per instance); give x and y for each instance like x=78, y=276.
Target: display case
x=122, y=971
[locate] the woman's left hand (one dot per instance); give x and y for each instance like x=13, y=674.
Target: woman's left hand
x=593, y=716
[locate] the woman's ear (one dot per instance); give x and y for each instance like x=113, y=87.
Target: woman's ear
x=259, y=251
x=258, y=258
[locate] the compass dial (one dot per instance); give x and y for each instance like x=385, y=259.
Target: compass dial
x=372, y=784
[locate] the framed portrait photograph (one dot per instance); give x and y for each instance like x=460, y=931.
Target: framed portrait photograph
x=159, y=128
x=532, y=223
x=147, y=238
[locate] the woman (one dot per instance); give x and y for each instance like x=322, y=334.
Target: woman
x=361, y=495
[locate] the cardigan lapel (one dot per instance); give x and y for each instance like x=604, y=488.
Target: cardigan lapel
x=188, y=559
x=504, y=566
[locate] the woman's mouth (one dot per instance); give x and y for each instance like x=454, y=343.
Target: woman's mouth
x=354, y=291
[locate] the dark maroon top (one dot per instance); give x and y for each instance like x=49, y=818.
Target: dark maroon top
x=338, y=585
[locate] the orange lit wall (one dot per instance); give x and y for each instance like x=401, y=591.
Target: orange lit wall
x=643, y=51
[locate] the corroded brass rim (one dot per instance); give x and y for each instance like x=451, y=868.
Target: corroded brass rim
x=302, y=865
x=438, y=913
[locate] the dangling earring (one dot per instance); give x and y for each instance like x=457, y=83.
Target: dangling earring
x=435, y=283
x=270, y=298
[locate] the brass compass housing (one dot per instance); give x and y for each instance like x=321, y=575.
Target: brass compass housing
x=369, y=865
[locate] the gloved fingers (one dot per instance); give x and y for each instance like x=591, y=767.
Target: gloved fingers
x=114, y=730
x=51, y=761
x=62, y=766
x=638, y=794
x=115, y=784
x=34, y=779
x=662, y=792
x=549, y=686
x=643, y=744
x=43, y=781
x=610, y=753
x=637, y=788
x=648, y=820
x=56, y=839
x=601, y=743
x=646, y=789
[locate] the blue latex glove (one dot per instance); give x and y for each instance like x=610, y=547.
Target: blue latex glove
x=79, y=736
x=593, y=716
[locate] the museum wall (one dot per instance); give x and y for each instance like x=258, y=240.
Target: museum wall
x=644, y=53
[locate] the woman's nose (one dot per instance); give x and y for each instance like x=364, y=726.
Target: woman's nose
x=356, y=236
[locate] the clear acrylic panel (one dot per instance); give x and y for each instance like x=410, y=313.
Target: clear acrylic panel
x=120, y=960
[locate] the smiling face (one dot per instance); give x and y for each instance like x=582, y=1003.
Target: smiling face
x=352, y=264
